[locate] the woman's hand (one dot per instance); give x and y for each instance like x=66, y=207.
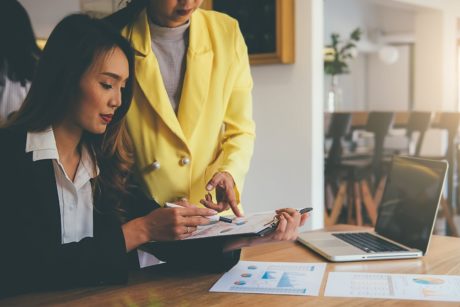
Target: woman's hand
x=225, y=193
x=165, y=224
x=288, y=229
x=289, y=222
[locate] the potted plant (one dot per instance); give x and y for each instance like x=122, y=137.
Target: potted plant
x=336, y=56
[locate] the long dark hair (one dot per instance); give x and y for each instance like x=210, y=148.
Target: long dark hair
x=73, y=46
x=19, y=52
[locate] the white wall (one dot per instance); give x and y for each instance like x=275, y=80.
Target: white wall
x=391, y=79
x=287, y=168
x=392, y=20
x=436, y=87
x=343, y=17
x=435, y=62
x=360, y=90
x=45, y=14
x=452, y=6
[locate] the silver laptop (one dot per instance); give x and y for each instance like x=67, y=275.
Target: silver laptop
x=405, y=222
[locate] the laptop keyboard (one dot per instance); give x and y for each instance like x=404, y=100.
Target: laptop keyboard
x=368, y=242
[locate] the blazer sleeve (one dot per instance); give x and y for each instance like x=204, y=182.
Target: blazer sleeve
x=30, y=260
x=32, y=256
x=203, y=255
x=239, y=135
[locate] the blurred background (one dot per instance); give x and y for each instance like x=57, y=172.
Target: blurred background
x=334, y=81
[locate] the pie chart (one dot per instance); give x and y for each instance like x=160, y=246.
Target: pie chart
x=428, y=281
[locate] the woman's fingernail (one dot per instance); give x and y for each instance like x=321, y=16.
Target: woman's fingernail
x=213, y=212
x=209, y=187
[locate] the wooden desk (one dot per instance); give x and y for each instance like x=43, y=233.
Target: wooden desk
x=160, y=287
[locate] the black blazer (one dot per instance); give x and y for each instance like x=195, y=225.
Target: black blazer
x=32, y=256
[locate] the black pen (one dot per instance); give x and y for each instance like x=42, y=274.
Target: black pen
x=275, y=220
x=305, y=210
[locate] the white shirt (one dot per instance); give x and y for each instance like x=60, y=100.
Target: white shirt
x=75, y=198
x=12, y=95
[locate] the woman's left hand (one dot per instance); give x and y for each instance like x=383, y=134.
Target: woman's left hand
x=225, y=194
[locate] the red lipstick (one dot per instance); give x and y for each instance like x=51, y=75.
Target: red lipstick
x=107, y=118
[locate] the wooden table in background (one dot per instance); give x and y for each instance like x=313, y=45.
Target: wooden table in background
x=158, y=286
x=359, y=119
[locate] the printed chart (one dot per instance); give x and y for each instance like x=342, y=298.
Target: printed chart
x=251, y=224
x=272, y=278
x=394, y=286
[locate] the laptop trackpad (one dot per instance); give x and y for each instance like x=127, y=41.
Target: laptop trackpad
x=330, y=244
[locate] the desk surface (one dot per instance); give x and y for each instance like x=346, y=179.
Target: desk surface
x=158, y=287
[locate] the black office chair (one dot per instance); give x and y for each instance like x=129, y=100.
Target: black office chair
x=379, y=124
x=419, y=122
x=334, y=186
x=365, y=173
x=416, y=127
x=338, y=128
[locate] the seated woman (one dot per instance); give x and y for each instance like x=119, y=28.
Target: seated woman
x=65, y=165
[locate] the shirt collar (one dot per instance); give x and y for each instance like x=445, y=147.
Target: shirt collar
x=42, y=144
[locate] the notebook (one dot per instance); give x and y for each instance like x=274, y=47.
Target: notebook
x=405, y=222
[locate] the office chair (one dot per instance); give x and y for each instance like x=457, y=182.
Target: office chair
x=364, y=172
x=334, y=185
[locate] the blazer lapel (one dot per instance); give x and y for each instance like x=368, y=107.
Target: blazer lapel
x=45, y=186
x=197, y=76
x=148, y=74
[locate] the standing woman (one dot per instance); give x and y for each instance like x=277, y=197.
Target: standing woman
x=191, y=119
x=19, y=55
x=64, y=163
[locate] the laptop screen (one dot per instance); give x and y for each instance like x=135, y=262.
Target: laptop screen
x=410, y=201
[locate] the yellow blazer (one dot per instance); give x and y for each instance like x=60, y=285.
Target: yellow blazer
x=213, y=131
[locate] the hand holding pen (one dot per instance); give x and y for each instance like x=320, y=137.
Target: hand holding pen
x=169, y=224
x=289, y=221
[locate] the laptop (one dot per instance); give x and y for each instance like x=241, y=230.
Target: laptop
x=405, y=221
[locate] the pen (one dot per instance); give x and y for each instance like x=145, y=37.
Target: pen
x=213, y=218
x=275, y=220
x=305, y=210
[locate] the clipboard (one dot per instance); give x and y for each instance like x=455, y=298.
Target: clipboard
x=256, y=224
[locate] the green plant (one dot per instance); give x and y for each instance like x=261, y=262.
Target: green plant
x=339, y=52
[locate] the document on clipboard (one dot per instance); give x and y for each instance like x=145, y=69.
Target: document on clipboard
x=256, y=224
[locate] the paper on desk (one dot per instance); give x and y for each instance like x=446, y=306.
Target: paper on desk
x=290, y=278
x=394, y=286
